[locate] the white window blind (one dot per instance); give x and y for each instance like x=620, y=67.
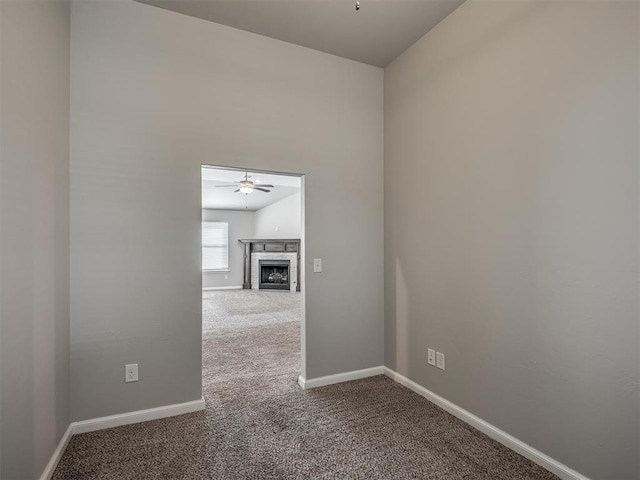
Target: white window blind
x=215, y=245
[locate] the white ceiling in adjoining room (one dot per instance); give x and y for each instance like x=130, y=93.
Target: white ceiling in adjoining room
x=226, y=198
x=376, y=34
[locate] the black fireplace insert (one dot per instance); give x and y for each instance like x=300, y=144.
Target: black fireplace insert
x=274, y=274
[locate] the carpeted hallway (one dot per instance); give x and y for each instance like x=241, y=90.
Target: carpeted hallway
x=260, y=424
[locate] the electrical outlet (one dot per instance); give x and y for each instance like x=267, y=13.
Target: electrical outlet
x=440, y=360
x=431, y=356
x=131, y=373
x=317, y=265
x=226, y=276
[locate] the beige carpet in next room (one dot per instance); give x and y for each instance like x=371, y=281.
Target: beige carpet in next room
x=259, y=424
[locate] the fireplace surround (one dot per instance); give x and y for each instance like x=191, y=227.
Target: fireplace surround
x=284, y=252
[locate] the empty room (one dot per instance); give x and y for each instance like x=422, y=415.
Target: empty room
x=332, y=239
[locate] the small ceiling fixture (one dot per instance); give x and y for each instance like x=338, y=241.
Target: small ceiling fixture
x=246, y=186
x=357, y=5
x=246, y=189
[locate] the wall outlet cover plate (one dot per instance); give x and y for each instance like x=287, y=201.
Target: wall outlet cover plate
x=431, y=356
x=131, y=373
x=440, y=360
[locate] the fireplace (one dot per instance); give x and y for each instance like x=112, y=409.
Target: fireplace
x=284, y=252
x=274, y=274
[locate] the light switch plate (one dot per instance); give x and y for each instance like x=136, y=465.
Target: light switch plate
x=317, y=265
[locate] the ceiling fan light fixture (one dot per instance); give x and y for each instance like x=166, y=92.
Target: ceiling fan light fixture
x=247, y=186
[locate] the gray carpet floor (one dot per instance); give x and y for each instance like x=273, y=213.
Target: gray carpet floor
x=259, y=424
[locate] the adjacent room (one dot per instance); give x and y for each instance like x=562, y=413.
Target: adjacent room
x=319, y=239
x=252, y=307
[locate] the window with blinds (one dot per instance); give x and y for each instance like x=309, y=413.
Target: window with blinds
x=215, y=246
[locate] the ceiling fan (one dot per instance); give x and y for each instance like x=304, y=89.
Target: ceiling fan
x=246, y=186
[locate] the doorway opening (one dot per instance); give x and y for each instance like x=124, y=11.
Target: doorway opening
x=252, y=277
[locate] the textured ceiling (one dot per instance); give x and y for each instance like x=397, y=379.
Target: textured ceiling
x=376, y=34
x=225, y=198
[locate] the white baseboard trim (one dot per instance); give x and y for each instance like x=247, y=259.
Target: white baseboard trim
x=101, y=423
x=234, y=287
x=504, y=438
x=57, y=454
x=339, y=377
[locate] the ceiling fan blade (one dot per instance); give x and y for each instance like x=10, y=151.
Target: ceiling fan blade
x=236, y=190
x=264, y=185
x=261, y=189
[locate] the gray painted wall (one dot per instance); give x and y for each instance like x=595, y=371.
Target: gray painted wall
x=241, y=225
x=285, y=214
x=511, y=223
x=34, y=239
x=144, y=101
